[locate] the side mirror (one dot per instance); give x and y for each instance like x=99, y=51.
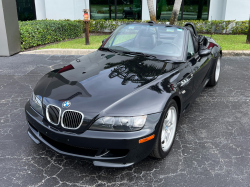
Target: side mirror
x=104, y=40
x=204, y=52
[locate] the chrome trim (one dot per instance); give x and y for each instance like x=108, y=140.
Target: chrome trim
x=72, y=111
x=185, y=81
x=47, y=114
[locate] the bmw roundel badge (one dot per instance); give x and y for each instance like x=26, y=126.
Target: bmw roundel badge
x=66, y=104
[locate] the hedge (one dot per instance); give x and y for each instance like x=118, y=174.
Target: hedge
x=219, y=26
x=202, y=26
x=40, y=32
x=35, y=33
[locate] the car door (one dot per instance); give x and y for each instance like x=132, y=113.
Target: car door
x=186, y=85
x=199, y=66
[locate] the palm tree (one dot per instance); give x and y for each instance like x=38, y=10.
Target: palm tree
x=248, y=34
x=151, y=10
x=175, y=13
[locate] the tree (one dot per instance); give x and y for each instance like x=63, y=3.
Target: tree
x=175, y=13
x=248, y=34
x=151, y=10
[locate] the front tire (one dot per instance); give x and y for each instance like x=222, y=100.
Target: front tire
x=167, y=131
x=216, y=74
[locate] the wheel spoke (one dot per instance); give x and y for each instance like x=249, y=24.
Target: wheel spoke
x=163, y=135
x=217, y=71
x=168, y=129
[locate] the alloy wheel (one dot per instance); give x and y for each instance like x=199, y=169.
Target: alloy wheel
x=217, y=71
x=168, y=129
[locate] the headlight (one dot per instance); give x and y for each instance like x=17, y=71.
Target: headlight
x=119, y=123
x=36, y=103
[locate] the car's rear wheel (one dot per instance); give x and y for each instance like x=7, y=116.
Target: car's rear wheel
x=166, y=135
x=216, y=74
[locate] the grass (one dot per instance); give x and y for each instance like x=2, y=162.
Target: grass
x=95, y=43
x=227, y=42
x=231, y=42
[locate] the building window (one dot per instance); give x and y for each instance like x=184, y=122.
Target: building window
x=129, y=9
x=26, y=10
x=115, y=9
x=190, y=9
x=196, y=9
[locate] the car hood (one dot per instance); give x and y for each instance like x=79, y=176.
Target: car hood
x=96, y=81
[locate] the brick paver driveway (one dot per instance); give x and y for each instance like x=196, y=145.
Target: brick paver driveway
x=212, y=146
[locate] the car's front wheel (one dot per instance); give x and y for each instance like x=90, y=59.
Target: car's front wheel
x=216, y=74
x=167, y=131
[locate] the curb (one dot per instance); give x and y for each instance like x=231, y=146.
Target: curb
x=235, y=53
x=87, y=51
x=61, y=51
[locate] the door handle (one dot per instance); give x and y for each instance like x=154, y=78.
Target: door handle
x=185, y=81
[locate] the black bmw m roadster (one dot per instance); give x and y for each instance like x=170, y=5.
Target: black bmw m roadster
x=122, y=103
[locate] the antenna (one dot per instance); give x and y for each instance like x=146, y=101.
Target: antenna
x=211, y=28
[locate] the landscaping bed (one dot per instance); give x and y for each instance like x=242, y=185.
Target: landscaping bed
x=78, y=41
x=227, y=42
x=45, y=34
x=95, y=43
x=40, y=32
x=231, y=42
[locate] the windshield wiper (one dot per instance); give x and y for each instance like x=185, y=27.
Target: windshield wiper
x=108, y=49
x=139, y=53
x=128, y=52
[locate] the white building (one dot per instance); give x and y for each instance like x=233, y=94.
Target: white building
x=132, y=9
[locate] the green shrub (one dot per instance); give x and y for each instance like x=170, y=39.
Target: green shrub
x=103, y=25
x=202, y=26
x=35, y=33
x=241, y=27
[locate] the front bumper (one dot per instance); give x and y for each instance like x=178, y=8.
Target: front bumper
x=109, y=149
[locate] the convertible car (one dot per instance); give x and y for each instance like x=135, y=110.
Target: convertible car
x=122, y=103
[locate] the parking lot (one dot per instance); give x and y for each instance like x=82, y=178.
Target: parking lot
x=212, y=147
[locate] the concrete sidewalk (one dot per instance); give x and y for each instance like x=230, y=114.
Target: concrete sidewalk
x=87, y=51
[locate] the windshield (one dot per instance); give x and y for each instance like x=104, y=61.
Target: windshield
x=155, y=40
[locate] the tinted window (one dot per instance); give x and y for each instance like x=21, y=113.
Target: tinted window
x=26, y=10
x=155, y=40
x=190, y=47
x=128, y=9
x=102, y=9
x=115, y=9
x=192, y=9
x=196, y=9
x=164, y=9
